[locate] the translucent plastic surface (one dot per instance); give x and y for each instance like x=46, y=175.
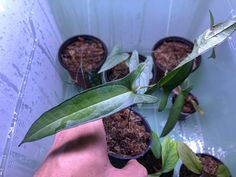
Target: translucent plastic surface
x=138, y=25
x=31, y=80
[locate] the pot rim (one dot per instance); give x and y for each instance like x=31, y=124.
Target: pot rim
x=74, y=39
x=196, y=62
x=125, y=157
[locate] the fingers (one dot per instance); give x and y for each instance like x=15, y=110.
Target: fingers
x=132, y=169
x=88, y=129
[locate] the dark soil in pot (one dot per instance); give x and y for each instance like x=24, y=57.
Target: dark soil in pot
x=121, y=70
x=169, y=52
x=128, y=136
x=82, y=56
x=153, y=165
x=210, y=166
x=188, y=107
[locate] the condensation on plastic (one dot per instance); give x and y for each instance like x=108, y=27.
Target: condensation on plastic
x=31, y=80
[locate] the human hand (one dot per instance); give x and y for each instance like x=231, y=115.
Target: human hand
x=82, y=152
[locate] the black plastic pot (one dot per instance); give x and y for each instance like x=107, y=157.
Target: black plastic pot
x=185, y=115
x=184, y=169
x=153, y=165
x=159, y=69
x=141, y=59
x=83, y=79
x=118, y=160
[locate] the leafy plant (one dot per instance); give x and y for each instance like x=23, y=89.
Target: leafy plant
x=167, y=153
x=193, y=163
x=209, y=39
x=114, y=96
x=90, y=105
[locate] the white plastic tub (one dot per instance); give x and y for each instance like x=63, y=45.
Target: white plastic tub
x=32, y=80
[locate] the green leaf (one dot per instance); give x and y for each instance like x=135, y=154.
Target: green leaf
x=156, y=145
x=169, y=155
x=114, y=59
x=173, y=114
x=223, y=171
x=213, y=54
x=210, y=38
x=133, y=61
x=158, y=174
x=211, y=19
x=152, y=89
x=89, y=105
x=189, y=158
x=164, y=100
x=175, y=77
x=145, y=77
x=175, y=111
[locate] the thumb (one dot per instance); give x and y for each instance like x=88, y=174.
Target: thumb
x=132, y=169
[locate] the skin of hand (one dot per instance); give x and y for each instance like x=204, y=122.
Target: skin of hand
x=82, y=152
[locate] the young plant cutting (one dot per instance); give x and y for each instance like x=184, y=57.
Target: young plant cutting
x=133, y=80
x=82, y=57
x=165, y=156
x=162, y=158
x=204, y=165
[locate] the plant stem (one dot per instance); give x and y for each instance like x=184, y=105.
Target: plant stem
x=129, y=116
x=82, y=71
x=142, y=87
x=197, y=107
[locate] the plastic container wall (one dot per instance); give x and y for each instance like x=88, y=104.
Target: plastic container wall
x=138, y=25
x=30, y=81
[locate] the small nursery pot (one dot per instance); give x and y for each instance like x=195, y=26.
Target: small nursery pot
x=153, y=165
x=119, y=160
x=142, y=58
x=78, y=48
x=184, y=115
x=184, y=172
x=179, y=52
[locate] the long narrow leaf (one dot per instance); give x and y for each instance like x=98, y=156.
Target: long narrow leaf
x=173, y=115
x=164, y=100
x=176, y=77
x=114, y=59
x=88, y=106
x=189, y=158
x=212, y=20
x=175, y=111
x=156, y=146
x=210, y=38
